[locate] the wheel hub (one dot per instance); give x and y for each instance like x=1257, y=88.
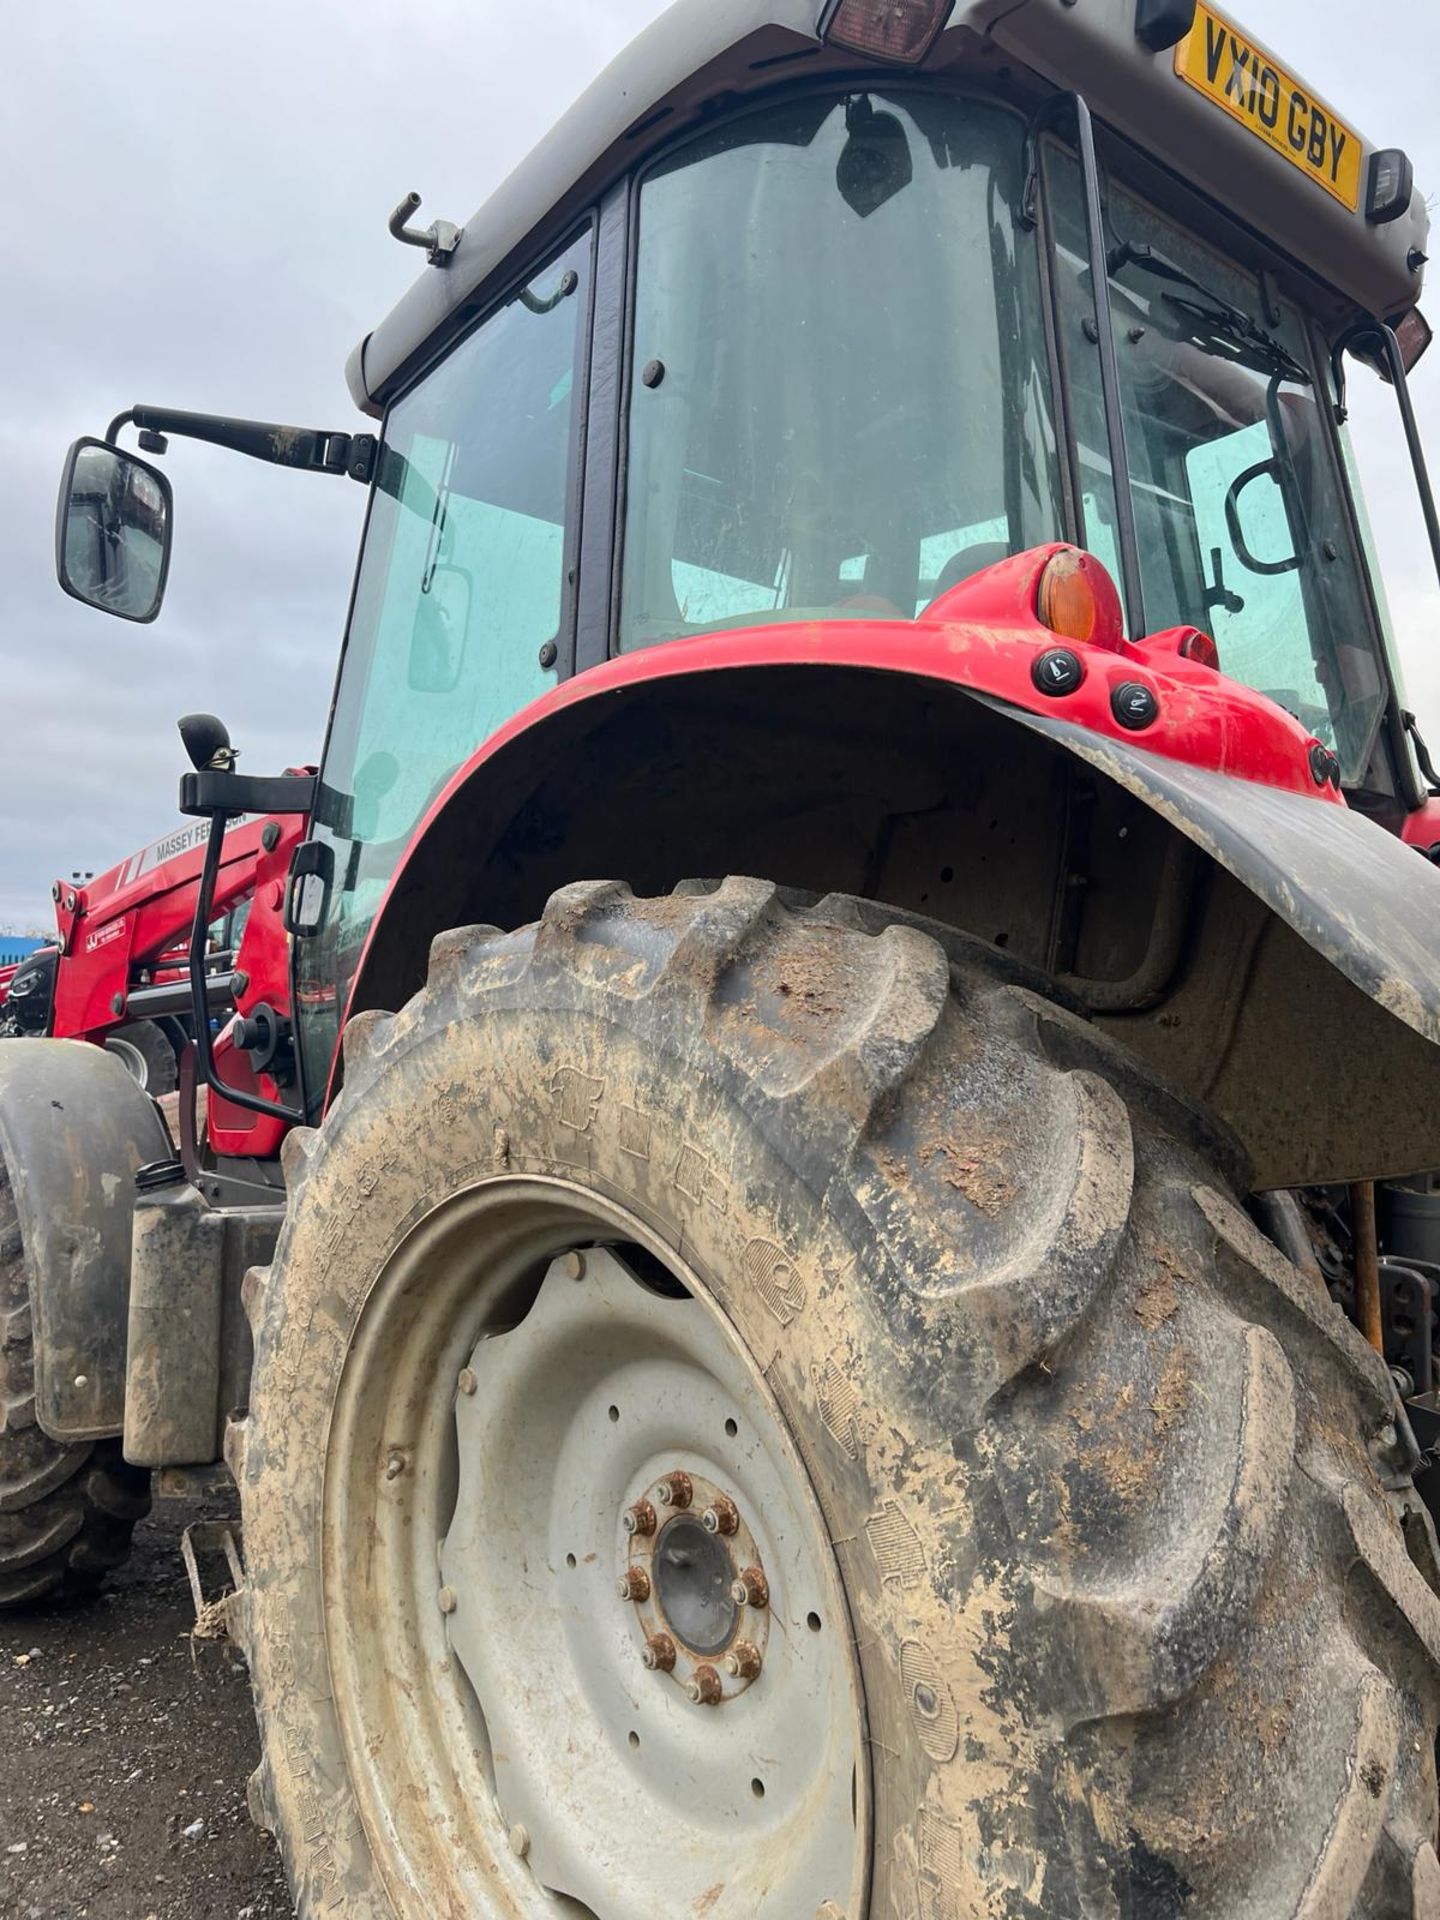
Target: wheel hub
x=692, y=1582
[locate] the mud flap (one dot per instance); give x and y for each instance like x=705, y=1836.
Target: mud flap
x=74, y=1127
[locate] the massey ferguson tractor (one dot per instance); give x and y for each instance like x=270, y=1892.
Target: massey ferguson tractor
x=115, y=973
x=826, y=1306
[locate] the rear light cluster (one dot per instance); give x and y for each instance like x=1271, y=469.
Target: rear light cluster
x=1078, y=600
x=902, y=31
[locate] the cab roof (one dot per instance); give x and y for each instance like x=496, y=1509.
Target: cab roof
x=700, y=50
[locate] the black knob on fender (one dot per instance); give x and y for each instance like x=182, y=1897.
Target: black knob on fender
x=1134, y=706
x=1058, y=671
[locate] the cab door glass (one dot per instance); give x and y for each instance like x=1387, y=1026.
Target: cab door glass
x=840, y=403
x=1241, y=506
x=462, y=586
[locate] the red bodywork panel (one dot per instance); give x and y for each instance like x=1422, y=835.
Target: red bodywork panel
x=983, y=635
x=137, y=919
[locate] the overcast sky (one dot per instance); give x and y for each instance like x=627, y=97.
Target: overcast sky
x=194, y=215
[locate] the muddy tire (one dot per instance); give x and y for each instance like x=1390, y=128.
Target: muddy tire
x=66, y=1512
x=147, y=1056
x=1143, y=1606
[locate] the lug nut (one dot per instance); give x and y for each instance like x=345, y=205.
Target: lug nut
x=743, y=1661
x=467, y=1382
x=752, y=1589
x=640, y=1518
x=634, y=1584
x=659, y=1654
x=519, y=1838
x=721, y=1516
x=448, y=1602
x=573, y=1266
x=705, y=1689
x=675, y=1490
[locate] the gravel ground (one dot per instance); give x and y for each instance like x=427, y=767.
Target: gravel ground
x=124, y=1751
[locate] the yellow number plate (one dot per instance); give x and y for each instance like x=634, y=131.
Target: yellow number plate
x=1217, y=59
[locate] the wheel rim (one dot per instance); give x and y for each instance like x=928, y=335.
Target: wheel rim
x=132, y=1059
x=588, y=1639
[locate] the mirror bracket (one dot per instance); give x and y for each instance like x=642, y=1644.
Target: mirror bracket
x=311, y=449
x=213, y=793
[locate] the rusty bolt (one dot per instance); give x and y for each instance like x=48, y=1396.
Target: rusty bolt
x=659, y=1654
x=675, y=1490
x=448, y=1602
x=519, y=1838
x=634, y=1584
x=395, y=1465
x=742, y=1662
x=640, y=1518
x=467, y=1382
x=752, y=1589
x=721, y=1516
x=705, y=1689
x=573, y=1266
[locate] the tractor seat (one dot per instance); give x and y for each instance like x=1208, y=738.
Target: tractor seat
x=968, y=562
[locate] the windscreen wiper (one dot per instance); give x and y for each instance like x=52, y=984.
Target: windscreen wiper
x=1218, y=316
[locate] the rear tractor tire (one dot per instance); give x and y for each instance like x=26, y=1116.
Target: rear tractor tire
x=145, y=1052
x=66, y=1512
x=759, y=1412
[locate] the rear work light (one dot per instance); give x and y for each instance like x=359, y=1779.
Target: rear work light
x=1161, y=24
x=1392, y=187
x=1414, y=333
x=1080, y=601
x=901, y=31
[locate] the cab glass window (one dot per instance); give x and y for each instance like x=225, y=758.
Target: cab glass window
x=462, y=583
x=840, y=402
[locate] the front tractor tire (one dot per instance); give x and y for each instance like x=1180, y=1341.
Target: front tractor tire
x=1090, y=1581
x=66, y=1511
x=143, y=1048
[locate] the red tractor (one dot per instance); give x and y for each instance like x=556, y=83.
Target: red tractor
x=116, y=972
x=872, y=1385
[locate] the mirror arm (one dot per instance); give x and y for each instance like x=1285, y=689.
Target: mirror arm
x=311, y=449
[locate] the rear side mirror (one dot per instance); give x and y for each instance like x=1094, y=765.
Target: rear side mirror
x=112, y=531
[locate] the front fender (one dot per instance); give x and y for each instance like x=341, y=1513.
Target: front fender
x=74, y=1127
x=1299, y=994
